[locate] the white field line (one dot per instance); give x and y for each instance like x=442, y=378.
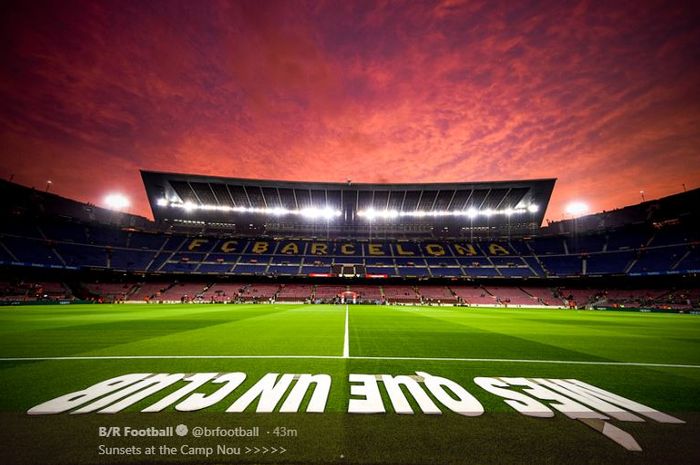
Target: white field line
x=340, y=357
x=346, y=339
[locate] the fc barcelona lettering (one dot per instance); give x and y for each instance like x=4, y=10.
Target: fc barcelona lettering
x=359, y=248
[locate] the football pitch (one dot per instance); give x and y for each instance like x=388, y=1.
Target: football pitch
x=49, y=351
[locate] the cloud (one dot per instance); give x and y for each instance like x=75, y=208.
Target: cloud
x=602, y=97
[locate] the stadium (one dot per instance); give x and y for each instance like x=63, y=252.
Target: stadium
x=370, y=232
x=401, y=284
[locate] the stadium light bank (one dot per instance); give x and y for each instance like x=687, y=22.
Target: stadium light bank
x=371, y=214
x=312, y=212
x=329, y=213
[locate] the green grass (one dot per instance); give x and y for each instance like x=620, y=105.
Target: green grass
x=509, y=341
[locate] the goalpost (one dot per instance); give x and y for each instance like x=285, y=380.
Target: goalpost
x=348, y=296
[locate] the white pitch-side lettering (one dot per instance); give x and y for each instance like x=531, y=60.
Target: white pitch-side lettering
x=317, y=404
x=74, y=399
x=465, y=404
x=398, y=399
x=143, y=389
x=519, y=401
x=626, y=403
x=268, y=389
x=371, y=401
x=565, y=405
x=579, y=394
x=198, y=401
x=195, y=381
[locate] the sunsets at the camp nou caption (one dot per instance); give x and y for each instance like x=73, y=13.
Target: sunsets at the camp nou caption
x=602, y=96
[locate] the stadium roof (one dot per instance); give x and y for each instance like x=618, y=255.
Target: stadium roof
x=473, y=205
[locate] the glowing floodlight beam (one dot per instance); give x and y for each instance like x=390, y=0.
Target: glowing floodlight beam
x=576, y=208
x=324, y=213
x=311, y=212
x=162, y=202
x=116, y=201
x=532, y=208
x=371, y=213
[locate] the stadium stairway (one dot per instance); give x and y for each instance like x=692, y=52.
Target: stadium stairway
x=53, y=248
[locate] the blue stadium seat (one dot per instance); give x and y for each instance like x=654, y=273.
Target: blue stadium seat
x=82, y=255
x=413, y=271
x=130, y=260
x=547, y=245
x=174, y=243
x=607, y=263
x=446, y=272
x=516, y=272
x=473, y=261
x=283, y=269
x=146, y=241
x=658, y=260
x=534, y=264
x=32, y=251
x=481, y=272
x=69, y=232
x=388, y=270
x=441, y=261
x=249, y=269
x=178, y=267
x=286, y=259
x=351, y=260
x=691, y=262
x=512, y=260
x=586, y=243
x=563, y=265
x=315, y=269
x=214, y=268
x=413, y=261
x=158, y=261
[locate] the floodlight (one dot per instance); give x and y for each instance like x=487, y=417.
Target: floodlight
x=576, y=208
x=313, y=213
x=532, y=208
x=370, y=213
x=116, y=201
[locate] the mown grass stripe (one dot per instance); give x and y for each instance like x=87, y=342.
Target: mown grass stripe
x=341, y=357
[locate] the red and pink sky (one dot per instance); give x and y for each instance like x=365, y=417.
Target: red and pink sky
x=604, y=96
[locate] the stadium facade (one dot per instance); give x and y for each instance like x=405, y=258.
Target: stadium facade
x=484, y=208
x=226, y=239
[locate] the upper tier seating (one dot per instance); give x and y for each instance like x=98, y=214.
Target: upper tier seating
x=633, y=250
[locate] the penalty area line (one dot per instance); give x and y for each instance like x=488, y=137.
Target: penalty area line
x=342, y=357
